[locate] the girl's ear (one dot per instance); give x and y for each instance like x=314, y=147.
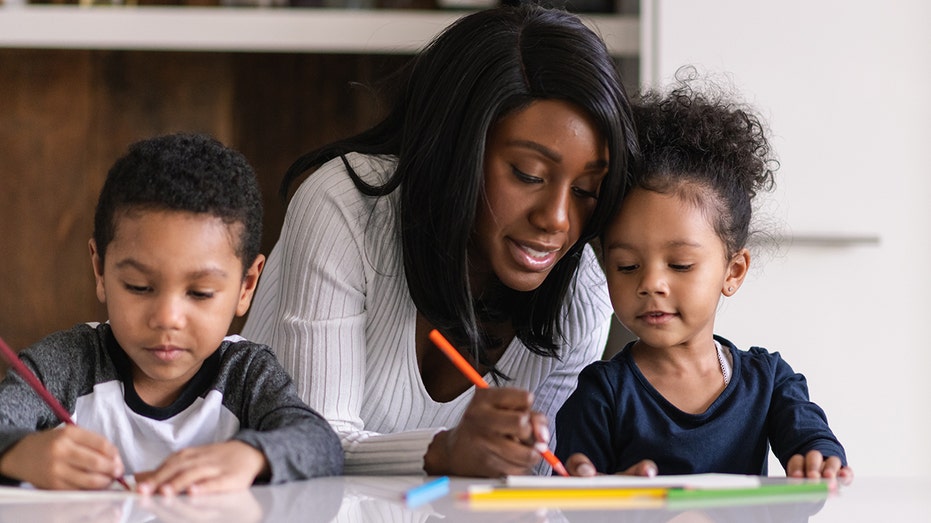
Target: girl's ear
x=737, y=269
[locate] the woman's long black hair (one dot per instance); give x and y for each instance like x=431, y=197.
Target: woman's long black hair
x=482, y=67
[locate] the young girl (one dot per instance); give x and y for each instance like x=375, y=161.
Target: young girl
x=681, y=399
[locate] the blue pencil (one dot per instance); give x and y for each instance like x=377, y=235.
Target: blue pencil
x=427, y=492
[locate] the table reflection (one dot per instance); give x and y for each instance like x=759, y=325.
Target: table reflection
x=351, y=499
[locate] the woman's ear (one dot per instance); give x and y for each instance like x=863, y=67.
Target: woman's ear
x=737, y=269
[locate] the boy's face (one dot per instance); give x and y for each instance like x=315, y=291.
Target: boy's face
x=172, y=283
x=666, y=270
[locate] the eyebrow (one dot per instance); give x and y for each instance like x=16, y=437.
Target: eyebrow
x=673, y=244
x=553, y=155
x=143, y=268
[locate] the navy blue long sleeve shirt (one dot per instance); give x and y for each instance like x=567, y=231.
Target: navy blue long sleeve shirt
x=616, y=418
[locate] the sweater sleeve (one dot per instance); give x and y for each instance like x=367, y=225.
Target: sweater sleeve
x=586, y=421
x=22, y=410
x=796, y=424
x=310, y=307
x=297, y=442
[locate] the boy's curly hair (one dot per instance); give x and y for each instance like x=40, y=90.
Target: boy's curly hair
x=183, y=172
x=706, y=147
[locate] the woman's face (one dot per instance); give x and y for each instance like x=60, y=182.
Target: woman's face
x=543, y=169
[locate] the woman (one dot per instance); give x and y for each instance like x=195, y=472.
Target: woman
x=467, y=209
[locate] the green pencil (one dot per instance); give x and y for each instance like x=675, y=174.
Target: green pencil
x=765, y=493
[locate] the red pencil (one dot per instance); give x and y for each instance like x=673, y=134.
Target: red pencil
x=443, y=344
x=40, y=389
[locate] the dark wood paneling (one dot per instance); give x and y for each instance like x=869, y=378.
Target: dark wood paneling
x=288, y=104
x=45, y=197
x=65, y=116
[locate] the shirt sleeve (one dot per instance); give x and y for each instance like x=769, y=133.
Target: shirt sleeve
x=310, y=308
x=797, y=425
x=586, y=326
x=587, y=420
x=22, y=410
x=297, y=442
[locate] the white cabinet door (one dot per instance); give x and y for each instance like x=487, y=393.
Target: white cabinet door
x=846, y=89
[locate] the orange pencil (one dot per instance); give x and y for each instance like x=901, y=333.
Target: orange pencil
x=443, y=344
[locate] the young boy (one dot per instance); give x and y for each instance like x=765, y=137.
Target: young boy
x=159, y=391
x=681, y=399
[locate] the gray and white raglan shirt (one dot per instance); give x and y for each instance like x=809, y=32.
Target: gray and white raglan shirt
x=241, y=392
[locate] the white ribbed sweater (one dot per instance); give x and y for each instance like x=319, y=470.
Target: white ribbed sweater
x=333, y=303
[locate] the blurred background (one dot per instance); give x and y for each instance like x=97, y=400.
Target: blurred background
x=843, y=85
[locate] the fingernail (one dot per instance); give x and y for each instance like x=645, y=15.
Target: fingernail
x=586, y=469
x=650, y=471
x=144, y=488
x=545, y=434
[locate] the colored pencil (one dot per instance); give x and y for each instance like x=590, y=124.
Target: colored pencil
x=40, y=389
x=483, y=496
x=501, y=497
x=427, y=492
x=779, y=492
x=443, y=344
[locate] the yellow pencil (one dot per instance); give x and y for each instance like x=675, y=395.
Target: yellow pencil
x=484, y=496
x=482, y=492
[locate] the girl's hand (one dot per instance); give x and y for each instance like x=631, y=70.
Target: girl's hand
x=578, y=464
x=65, y=458
x=220, y=467
x=494, y=438
x=813, y=465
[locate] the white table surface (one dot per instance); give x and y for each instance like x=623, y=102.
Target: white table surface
x=366, y=498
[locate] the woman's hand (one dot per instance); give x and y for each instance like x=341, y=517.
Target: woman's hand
x=813, y=465
x=578, y=464
x=494, y=438
x=68, y=457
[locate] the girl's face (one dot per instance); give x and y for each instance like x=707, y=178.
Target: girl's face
x=543, y=168
x=667, y=268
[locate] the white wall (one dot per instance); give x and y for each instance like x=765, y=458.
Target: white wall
x=846, y=89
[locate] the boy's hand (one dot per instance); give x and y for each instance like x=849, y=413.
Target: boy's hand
x=578, y=464
x=814, y=465
x=65, y=458
x=221, y=467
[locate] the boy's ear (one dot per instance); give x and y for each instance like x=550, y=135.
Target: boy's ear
x=737, y=269
x=97, y=263
x=249, y=283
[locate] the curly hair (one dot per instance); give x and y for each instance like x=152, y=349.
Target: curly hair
x=183, y=172
x=708, y=149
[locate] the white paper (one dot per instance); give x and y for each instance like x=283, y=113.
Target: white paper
x=692, y=481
